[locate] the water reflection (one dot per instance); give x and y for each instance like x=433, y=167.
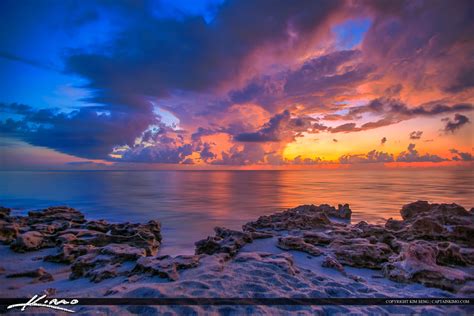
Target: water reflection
x=191, y=203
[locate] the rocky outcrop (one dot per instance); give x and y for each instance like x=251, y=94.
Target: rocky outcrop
x=31, y=240
x=94, y=249
x=331, y=262
x=302, y=218
x=447, y=222
x=297, y=243
x=4, y=212
x=227, y=241
x=432, y=244
x=360, y=252
x=417, y=263
x=38, y=275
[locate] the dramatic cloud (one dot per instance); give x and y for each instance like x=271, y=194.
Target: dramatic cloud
x=416, y=135
x=456, y=123
x=239, y=82
x=371, y=157
x=86, y=132
x=412, y=155
x=281, y=127
x=461, y=156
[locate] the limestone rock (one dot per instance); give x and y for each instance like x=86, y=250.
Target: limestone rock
x=360, y=252
x=417, y=263
x=297, y=243
x=40, y=275
x=225, y=241
x=331, y=262
x=29, y=241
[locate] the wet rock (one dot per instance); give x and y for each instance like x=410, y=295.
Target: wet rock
x=443, y=222
x=62, y=213
x=166, y=266
x=225, y=241
x=415, y=209
x=123, y=251
x=260, y=235
x=417, y=263
x=66, y=238
x=297, y=243
x=360, y=252
x=317, y=238
x=394, y=224
x=29, y=241
x=302, y=217
x=146, y=236
x=331, y=262
x=103, y=272
x=40, y=275
x=85, y=265
x=67, y=253
x=8, y=231
x=342, y=211
x=100, y=226
x=449, y=254
x=4, y=212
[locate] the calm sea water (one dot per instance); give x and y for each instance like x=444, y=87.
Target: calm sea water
x=190, y=203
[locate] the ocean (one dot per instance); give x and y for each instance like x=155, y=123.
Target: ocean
x=190, y=204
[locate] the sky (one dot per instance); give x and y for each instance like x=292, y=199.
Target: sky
x=235, y=84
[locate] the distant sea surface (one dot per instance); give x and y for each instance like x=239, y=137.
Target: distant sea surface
x=190, y=203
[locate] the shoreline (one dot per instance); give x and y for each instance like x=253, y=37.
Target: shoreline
x=310, y=251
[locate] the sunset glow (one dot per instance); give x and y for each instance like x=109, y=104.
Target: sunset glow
x=232, y=84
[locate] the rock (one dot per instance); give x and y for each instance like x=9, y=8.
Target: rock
x=260, y=235
x=426, y=227
x=342, y=211
x=62, y=213
x=166, y=266
x=4, y=212
x=331, y=262
x=66, y=238
x=69, y=252
x=100, y=226
x=146, y=236
x=103, y=272
x=449, y=254
x=8, y=231
x=123, y=251
x=85, y=265
x=359, y=252
x=394, y=224
x=39, y=274
x=29, y=241
x=317, y=238
x=297, y=243
x=302, y=217
x=412, y=210
x=225, y=241
x=417, y=263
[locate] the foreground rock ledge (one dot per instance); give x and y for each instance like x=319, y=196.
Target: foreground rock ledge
x=433, y=244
